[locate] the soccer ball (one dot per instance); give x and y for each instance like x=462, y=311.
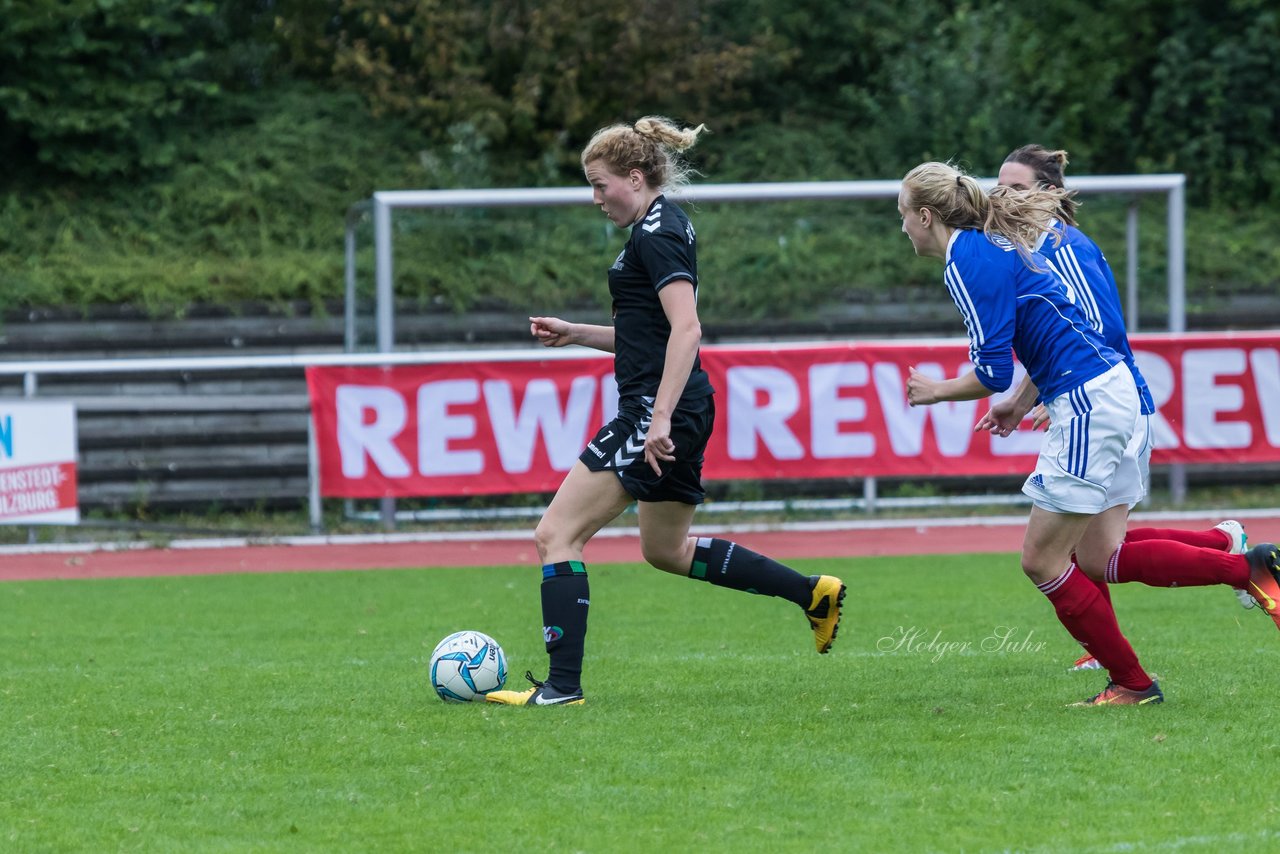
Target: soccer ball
x=466, y=666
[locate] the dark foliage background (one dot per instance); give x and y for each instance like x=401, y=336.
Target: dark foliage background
x=169, y=153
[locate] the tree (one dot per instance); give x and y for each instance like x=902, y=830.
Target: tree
x=534, y=79
x=94, y=87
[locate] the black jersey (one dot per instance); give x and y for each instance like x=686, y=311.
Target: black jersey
x=662, y=249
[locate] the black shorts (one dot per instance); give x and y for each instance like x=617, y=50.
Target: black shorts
x=619, y=447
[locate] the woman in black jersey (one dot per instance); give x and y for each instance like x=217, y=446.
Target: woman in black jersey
x=652, y=452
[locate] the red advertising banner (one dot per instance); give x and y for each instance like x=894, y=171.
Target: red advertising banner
x=820, y=410
x=35, y=490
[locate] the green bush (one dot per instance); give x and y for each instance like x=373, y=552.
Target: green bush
x=534, y=79
x=97, y=88
x=254, y=212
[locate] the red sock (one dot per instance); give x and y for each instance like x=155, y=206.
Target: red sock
x=1091, y=620
x=1164, y=563
x=1210, y=539
x=1103, y=587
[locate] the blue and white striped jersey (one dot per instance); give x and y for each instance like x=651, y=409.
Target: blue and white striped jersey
x=1092, y=286
x=1010, y=307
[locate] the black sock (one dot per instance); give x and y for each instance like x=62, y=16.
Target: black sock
x=566, y=597
x=727, y=564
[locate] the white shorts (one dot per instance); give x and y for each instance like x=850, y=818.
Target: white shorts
x=1090, y=428
x=1133, y=477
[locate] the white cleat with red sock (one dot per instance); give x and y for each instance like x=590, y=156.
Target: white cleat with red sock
x=1239, y=545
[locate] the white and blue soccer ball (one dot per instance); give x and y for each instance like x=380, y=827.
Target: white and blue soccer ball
x=467, y=665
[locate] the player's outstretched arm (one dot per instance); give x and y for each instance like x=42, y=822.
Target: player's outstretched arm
x=554, y=332
x=924, y=390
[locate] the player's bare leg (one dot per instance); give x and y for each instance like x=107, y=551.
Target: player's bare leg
x=585, y=503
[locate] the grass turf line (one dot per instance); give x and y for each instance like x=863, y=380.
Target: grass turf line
x=291, y=712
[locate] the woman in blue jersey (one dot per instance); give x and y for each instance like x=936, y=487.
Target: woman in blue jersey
x=1013, y=302
x=1080, y=263
x=652, y=452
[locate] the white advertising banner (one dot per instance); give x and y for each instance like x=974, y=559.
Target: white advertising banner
x=38, y=463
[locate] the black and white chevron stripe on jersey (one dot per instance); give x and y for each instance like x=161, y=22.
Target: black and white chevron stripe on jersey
x=632, y=448
x=654, y=219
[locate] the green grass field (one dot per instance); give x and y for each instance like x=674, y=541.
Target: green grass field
x=291, y=712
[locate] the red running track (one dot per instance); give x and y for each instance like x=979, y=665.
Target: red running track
x=900, y=537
